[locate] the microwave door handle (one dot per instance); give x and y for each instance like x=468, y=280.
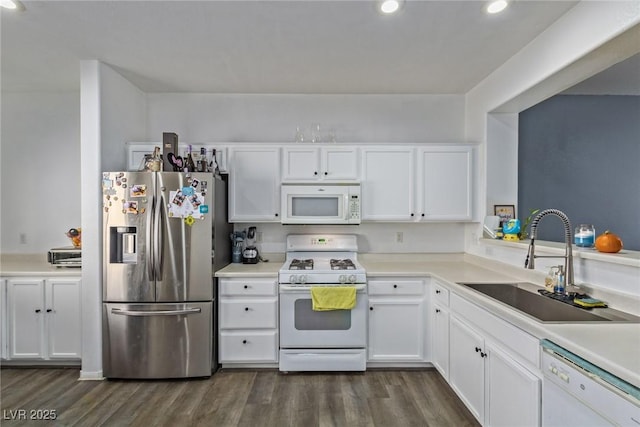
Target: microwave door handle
x=346, y=207
x=150, y=262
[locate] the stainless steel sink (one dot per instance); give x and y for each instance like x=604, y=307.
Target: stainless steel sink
x=523, y=297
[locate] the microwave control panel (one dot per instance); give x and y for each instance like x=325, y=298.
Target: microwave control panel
x=354, y=206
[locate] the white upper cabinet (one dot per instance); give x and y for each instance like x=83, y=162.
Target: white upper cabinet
x=424, y=183
x=388, y=177
x=254, y=184
x=445, y=183
x=306, y=163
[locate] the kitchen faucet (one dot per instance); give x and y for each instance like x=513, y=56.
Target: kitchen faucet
x=568, y=254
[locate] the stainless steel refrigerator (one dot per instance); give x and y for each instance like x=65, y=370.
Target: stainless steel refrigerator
x=165, y=234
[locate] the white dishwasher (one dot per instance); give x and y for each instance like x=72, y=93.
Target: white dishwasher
x=578, y=393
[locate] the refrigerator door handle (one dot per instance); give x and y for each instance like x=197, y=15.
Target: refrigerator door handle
x=158, y=255
x=155, y=312
x=149, y=240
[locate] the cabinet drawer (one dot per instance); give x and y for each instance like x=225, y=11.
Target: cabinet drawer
x=396, y=287
x=249, y=346
x=440, y=294
x=248, y=314
x=242, y=287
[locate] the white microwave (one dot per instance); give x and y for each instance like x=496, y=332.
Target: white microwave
x=337, y=203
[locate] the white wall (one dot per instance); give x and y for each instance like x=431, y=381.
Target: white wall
x=588, y=38
x=112, y=112
x=273, y=118
x=40, y=170
x=354, y=118
x=372, y=237
x=123, y=117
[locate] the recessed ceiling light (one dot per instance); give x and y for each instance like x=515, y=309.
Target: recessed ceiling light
x=389, y=6
x=12, y=4
x=497, y=6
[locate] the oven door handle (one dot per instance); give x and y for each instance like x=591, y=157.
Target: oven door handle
x=289, y=288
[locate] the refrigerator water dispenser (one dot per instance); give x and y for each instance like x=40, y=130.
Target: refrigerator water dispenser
x=123, y=245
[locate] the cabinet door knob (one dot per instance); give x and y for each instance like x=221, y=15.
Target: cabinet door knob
x=483, y=354
x=244, y=341
x=49, y=310
x=276, y=214
x=437, y=310
x=371, y=308
x=246, y=286
x=422, y=214
x=412, y=214
x=326, y=173
x=246, y=309
x=437, y=291
x=38, y=310
x=395, y=286
x=478, y=349
x=315, y=173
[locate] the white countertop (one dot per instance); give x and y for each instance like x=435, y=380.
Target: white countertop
x=614, y=347
x=23, y=265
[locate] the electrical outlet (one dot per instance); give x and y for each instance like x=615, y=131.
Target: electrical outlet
x=23, y=238
x=399, y=237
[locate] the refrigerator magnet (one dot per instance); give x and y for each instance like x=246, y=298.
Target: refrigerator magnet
x=187, y=191
x=204, y=209
x=177, y=197
x=189, y=220
x=138, y=190
x=194, y=183
x=131, y=207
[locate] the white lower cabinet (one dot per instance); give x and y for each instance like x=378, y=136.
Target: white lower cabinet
x=248, y=320
x=44, y=318
x=397, y=321
x=440, y=328
x=3, y=319
x=494, y=385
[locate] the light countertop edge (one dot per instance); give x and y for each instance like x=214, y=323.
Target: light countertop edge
x=33, y=265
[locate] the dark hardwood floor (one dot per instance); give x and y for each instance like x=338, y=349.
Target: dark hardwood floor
x=233, y=398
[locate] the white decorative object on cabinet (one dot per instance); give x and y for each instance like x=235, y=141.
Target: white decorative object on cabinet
x=307, y=163
x=388, y=184
x=254, y=184
x=397, y=320
x=248, y=321
x=445, y=182
x=44, y=318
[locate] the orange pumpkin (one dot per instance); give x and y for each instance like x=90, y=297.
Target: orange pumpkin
x=608, y=242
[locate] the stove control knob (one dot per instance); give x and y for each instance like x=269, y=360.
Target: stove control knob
x=292, y=279
x=303, y=278
x=352, y=278
x=342, y=278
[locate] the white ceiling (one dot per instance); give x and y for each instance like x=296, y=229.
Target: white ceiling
x=238, y=46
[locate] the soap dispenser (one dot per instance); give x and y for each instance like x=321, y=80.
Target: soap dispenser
x=559, y=286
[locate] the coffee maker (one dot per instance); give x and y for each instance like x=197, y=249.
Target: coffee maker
x=250, y=253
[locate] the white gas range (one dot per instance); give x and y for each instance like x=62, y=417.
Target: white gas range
x=311, y=340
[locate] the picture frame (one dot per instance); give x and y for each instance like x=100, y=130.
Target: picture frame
x=504, y=212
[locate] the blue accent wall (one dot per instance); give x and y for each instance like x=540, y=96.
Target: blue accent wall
x=581, y=154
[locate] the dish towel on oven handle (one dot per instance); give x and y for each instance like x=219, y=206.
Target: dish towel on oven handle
x=325, y=298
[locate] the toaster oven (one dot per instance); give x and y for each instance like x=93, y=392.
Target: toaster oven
x=65, y=257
